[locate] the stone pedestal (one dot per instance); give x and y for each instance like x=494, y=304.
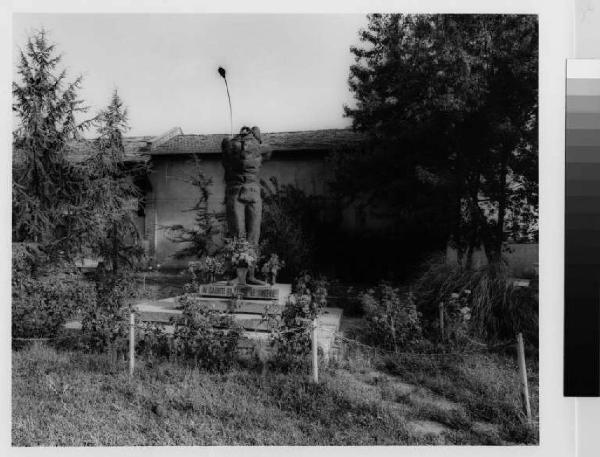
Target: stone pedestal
x=248, y=304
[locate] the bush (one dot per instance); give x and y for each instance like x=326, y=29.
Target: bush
x=288, y=225
x=43, y=297
x=457, y=319
x=154, y=342
x=291, y=336
x=498, y=309
x=105, y=322
x=392, y=318
x=41, y=306
x=205, y=336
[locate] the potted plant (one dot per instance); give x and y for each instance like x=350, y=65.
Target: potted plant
x=271, y=267
x=242, y=256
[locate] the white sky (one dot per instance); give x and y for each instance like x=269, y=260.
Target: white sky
x=285, y=72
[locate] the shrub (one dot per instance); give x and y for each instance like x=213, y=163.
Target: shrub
x=105, y=322
x=41, y=306
x=392, y=318
x=291, y=336
x=43, y=297
x=307, y=285
x=288, y=225
x=501, y=309
x=498, y=308
x=205, y=336
x=155, y=341
x=457, y=318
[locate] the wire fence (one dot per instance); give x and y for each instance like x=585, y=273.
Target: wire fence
x=337, y=336
x=35, y=339
x=484, y=347
x=340, y=337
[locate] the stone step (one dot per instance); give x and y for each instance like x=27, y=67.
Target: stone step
x=242, y=306
x=220, y=304
x=248, y=321
x=247, y=335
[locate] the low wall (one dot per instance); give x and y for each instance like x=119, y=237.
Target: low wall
x=522, y=258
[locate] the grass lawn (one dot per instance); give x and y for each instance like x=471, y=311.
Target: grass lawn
x=62, y=398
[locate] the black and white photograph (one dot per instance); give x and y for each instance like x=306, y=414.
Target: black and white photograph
x=275, y=229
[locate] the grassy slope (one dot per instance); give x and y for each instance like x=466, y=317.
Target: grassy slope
x=486, y=385
x=74, y=399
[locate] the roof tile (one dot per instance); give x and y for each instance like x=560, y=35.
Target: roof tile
x=279, y=141
x=136, y=148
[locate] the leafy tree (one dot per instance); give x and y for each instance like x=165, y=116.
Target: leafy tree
x=449, y=103
x=47, y=189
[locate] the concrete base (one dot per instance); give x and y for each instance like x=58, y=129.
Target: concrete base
x=249, y=313
x=328, y=325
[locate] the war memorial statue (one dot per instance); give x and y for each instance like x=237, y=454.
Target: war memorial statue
x=243, y=155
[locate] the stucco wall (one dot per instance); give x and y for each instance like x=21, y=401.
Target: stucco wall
x=171, y=196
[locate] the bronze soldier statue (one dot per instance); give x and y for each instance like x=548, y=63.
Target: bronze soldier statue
x=242, y=158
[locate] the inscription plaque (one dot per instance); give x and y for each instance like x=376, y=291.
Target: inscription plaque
x=251, y=292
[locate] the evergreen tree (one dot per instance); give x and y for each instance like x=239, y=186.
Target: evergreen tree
x=111, y=191
x=113, y=236
x=47, y=188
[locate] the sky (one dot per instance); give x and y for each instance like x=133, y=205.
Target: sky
x=285, y=72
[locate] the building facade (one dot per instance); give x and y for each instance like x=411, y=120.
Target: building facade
x=298, y=158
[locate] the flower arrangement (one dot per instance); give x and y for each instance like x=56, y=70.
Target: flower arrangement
x=272, y=266
x=241, y=253
x=210, y=267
